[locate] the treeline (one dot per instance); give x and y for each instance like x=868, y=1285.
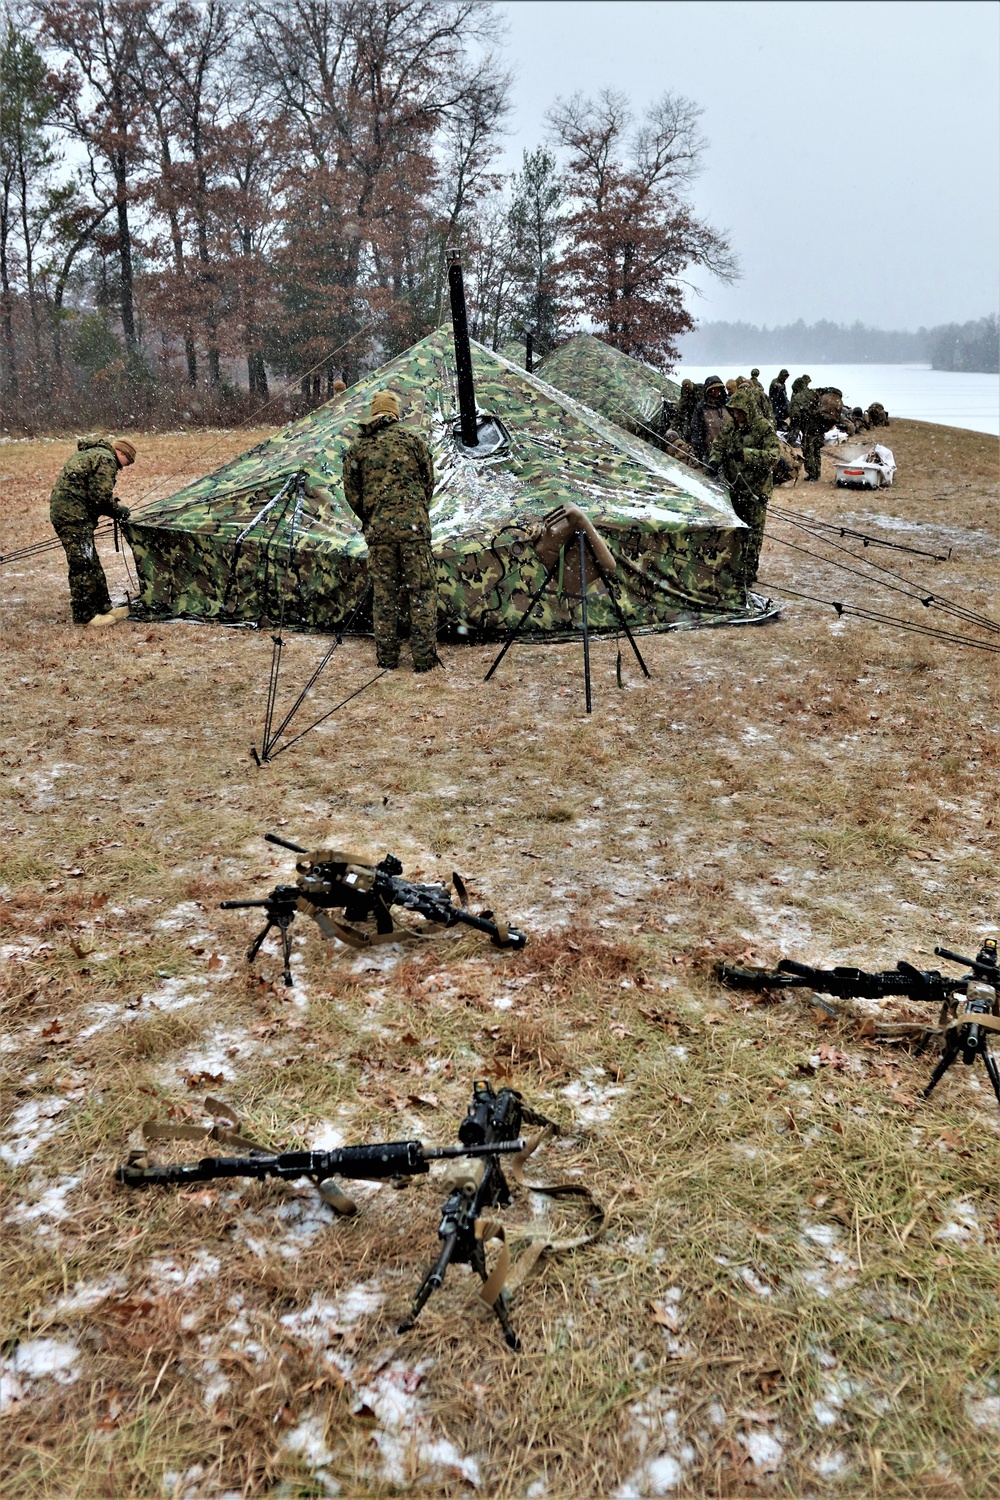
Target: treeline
x=966, y=346
x=200, y=196
x=952, y=346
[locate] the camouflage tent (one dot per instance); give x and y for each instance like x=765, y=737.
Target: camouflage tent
x=271, y=530
x=627, y=391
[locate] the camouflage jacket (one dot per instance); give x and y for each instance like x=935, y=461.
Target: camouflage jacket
x=763, y=400
x=389, y=481
x=85, y=490
x=802, y=408
x=748, y=453
x=778, y=397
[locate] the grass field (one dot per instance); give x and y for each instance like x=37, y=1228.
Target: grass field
x=796, y=1293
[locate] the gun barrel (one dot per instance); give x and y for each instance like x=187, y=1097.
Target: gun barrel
x=515, y=938
x=985, y=971
x=272, y=838
x=487, y=1148
x=232, y=905
x=391, y=1159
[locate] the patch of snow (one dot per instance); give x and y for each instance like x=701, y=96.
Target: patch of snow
x=326, y=1137
x=86, y=1295
x=50, y=1204
x=308, y=1440
x=754, y=1282
x=181, y=915
x=403, y=1432
x=654, y=1425
x=829, y=1465
x=322, y=1322
x=30, y=1127
x=963, y=1226
x=984, y=1412
x=765, y=1449
x=35, y=1360
x=167, y=1275
x=590, y=1099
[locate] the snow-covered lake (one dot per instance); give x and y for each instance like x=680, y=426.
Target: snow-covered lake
x=954, y=399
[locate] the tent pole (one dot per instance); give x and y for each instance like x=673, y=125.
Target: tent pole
x=583, y=539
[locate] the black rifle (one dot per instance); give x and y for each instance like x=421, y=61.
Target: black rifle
x=331, y=879
x=493, y=1121
x=389, y=1159
x=963, y=1033
x=491, y=1128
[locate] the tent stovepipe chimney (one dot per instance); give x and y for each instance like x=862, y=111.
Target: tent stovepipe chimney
x=463, y=353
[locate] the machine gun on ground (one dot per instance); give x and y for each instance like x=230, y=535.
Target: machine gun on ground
x=330, y=879
x=970, y=1008
x=490, y=1130
x=493, y=1120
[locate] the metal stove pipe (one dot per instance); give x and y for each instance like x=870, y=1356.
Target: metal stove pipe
x=463, y=353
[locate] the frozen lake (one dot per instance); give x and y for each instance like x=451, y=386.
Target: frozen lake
x=954, y=399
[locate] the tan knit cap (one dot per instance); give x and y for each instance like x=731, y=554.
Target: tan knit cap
x=125, y=448
x=386, y=401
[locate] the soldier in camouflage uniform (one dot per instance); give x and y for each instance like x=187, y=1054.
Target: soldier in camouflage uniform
x=745, y=453
x=82, y=494
x=805, y=416
x=710, y=416
x=686, y=402
x=389, y=484
x=778, y=397
x=763, y=400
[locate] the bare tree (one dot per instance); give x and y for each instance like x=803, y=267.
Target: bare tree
x=101, y=101
x=632, y=234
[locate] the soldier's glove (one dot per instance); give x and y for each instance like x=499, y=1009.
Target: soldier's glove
x=122, y=513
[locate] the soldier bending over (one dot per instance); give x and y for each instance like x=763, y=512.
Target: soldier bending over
x=84, y=492
x=389, y=483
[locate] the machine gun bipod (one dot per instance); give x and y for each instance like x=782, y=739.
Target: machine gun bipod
x=331, y=879
x=970, y=1008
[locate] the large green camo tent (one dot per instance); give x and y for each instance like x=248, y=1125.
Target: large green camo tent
x=627, y=391
x=270, y=533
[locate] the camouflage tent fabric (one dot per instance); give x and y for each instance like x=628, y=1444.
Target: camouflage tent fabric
x=271, y=533
x=627, y=391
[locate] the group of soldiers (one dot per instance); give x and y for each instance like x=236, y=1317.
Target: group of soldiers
x=731, y=429
x=737, y=430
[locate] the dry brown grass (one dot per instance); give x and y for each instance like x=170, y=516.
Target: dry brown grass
x=797, y=1292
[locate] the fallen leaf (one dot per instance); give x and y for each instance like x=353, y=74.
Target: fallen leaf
x=196, y=1080
x=203, y=1197
x=53, y=1028
x=215, y=962
x=428, y=1101
x=664, y=1316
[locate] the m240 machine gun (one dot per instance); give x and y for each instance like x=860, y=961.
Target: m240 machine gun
x=970, y=1007
x=490, y=1130
x=493, y=1120
x=330, y=879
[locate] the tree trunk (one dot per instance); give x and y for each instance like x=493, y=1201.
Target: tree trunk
x=256, y=373
x=10, y=358
x=125, y=259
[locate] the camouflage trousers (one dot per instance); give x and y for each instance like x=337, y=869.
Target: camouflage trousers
x=752, y=511
x=402, y=574
x=812, y=447
x=88, y=587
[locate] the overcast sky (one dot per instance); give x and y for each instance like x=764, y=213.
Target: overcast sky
x=854, y=148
